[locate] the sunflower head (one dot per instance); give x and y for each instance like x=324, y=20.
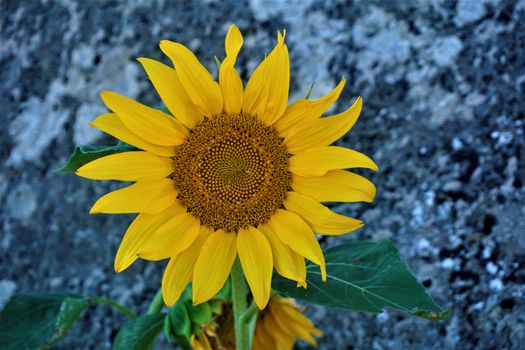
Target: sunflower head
x=233, y=171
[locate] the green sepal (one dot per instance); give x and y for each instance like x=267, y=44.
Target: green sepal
x=216, y=306
x=200, y=314
x=37, y=321
x=84, y=154
x=217, y=62
x=364, y=276
x=178, y=325
x=225, y=293
x=309, y=92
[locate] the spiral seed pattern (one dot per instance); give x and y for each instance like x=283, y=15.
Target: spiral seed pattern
x=232, y=172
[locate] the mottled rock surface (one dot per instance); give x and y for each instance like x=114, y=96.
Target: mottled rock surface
x=443, y=84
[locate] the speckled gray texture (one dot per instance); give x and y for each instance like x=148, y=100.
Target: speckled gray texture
x=443, y=84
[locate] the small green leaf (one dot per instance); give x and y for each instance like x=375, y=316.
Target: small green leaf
x=139, y=333
x=84, y=154
x=309, y=91
x=217, y=62
x=364, y=276
x=200, y=314
x=177, y=325
x=31, y=321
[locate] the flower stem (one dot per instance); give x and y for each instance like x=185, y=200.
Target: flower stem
x=239, y=291
x=114, y=304
x=156, y=304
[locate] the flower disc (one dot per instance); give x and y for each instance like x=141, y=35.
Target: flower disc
x=232, y=172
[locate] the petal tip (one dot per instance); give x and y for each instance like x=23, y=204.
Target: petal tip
x=167, y=302
x=302, y=283
x=261, y=304
x=118, y=267
x=197, y=301
x=323, y=272
x=95, y=208
x=165, y=43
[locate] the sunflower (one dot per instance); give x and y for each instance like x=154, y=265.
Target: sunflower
x=278, y=326
x=281, y=324
x=234, y=172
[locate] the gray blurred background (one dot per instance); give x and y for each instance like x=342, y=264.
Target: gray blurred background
x=443, y=84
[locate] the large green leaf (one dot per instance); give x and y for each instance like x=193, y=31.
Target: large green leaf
x=364, y=276
x=139, y=333
x=84, y=154
x=34, y=321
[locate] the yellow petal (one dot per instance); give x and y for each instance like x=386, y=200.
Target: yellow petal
x=229, y=80
x=171, y=238
x=283, y=323
x=266, y=93
x=112, y=125
x=172, y=92
x=317, y=161
x=322, y=131
x=297, y=235
x=127, y=166
x=304, y=110
x=213, y=265
x=180, y=269
x=292, y=312
x=263, y=337
x=149, y=196
x=139, y=233
x=255, y=255
x=257, y=345
x=294, y=315
x=295, y=323
x=320, y=218
x=287, y=263
x=148, y=123
x=335, y=186
x=280, y=334
x=203, y=91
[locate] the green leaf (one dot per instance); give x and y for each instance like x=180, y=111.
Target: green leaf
x=364, y=276
x=84, y=154
x=35, y=321
x=177, y=325
x=139, y=333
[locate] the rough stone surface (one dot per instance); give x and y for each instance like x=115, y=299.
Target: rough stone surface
x=443, y=84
